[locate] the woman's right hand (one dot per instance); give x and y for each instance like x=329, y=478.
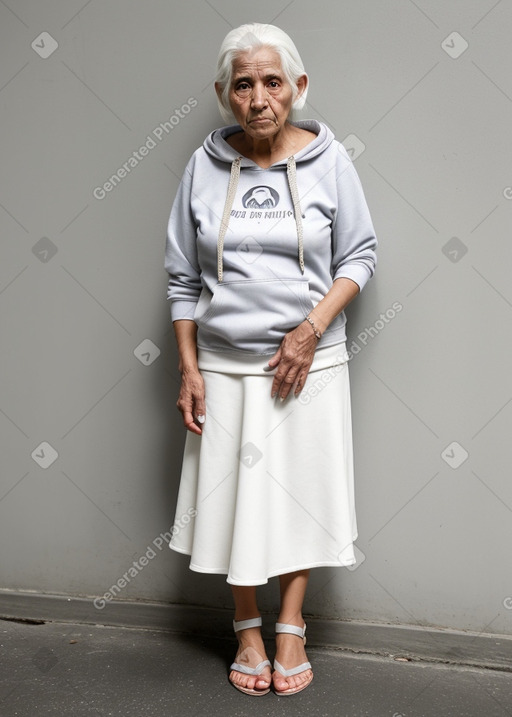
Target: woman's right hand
x=191, y=403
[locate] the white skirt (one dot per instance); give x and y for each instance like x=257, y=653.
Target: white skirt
x=269, y=486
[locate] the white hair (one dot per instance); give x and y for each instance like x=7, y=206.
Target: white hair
x=250, y=37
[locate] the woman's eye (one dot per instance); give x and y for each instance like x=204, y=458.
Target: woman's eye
x=274, y=84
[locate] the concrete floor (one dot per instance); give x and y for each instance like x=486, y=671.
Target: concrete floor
x=76, y=670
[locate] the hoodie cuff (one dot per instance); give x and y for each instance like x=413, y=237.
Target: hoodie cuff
x=182, y=310
x=357, y=272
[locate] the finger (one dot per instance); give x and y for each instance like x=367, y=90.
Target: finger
x=200, y=410
x=299, y=384
x=286, y=386
x=190, y=424
x=277, y=383
x=284, y=378
x=274, y=360
x=278, y=379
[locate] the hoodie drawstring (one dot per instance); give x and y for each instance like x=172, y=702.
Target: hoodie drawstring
x=233, y=184
x=291, y=172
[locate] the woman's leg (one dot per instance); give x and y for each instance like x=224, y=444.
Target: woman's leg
x=251, y=650
x=290, y=650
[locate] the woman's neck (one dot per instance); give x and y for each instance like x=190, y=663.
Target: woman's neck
x=265, y=151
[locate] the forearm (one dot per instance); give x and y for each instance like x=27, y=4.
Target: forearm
x=337, y=298
x=186, y=338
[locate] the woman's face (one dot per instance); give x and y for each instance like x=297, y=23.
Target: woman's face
x=260, y=97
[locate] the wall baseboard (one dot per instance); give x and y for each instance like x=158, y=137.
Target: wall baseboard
x=411, y=642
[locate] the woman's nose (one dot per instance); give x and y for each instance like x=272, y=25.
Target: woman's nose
x=259, y=97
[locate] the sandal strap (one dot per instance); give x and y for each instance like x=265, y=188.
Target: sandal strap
x=293, y=670
x=251, y=670
x=292, y=629
x=244, y=624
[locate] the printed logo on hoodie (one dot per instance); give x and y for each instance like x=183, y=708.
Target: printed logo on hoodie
x=261, y=197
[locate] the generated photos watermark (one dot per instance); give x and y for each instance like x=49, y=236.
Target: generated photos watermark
x=363, y=338
x=143, y=560
x=158, y=133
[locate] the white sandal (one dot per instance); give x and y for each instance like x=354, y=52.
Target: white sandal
x=300, y=632
x=243, y=625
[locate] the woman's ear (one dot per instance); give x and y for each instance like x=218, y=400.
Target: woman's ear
x=218, y=90
x=302, y=84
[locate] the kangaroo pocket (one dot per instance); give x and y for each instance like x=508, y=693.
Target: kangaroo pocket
x=251, y=315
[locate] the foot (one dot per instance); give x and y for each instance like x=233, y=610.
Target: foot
x=251, y=651
x=290, y=652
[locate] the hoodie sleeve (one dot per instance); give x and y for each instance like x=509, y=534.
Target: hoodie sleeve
x=354, y=240
x=181, y=260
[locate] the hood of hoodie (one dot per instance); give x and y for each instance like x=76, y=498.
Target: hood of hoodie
x=216, y=146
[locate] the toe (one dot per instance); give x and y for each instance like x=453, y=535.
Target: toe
x=262, y=683
x=251, y=682
x=292, y=682
x=280, y=682
x=283, y=684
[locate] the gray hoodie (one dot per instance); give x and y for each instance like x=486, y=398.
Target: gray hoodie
x=251, y=251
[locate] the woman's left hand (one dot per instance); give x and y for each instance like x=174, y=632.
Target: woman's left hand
x=293, y=358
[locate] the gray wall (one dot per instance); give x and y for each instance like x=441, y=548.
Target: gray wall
x=83, y=295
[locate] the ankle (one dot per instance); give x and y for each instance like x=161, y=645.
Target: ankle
x=240, y=616
x=297, y=620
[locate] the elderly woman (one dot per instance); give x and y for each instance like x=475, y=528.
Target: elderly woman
x=269, y=239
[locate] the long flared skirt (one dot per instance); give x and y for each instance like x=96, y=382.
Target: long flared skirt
x=268, y=488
